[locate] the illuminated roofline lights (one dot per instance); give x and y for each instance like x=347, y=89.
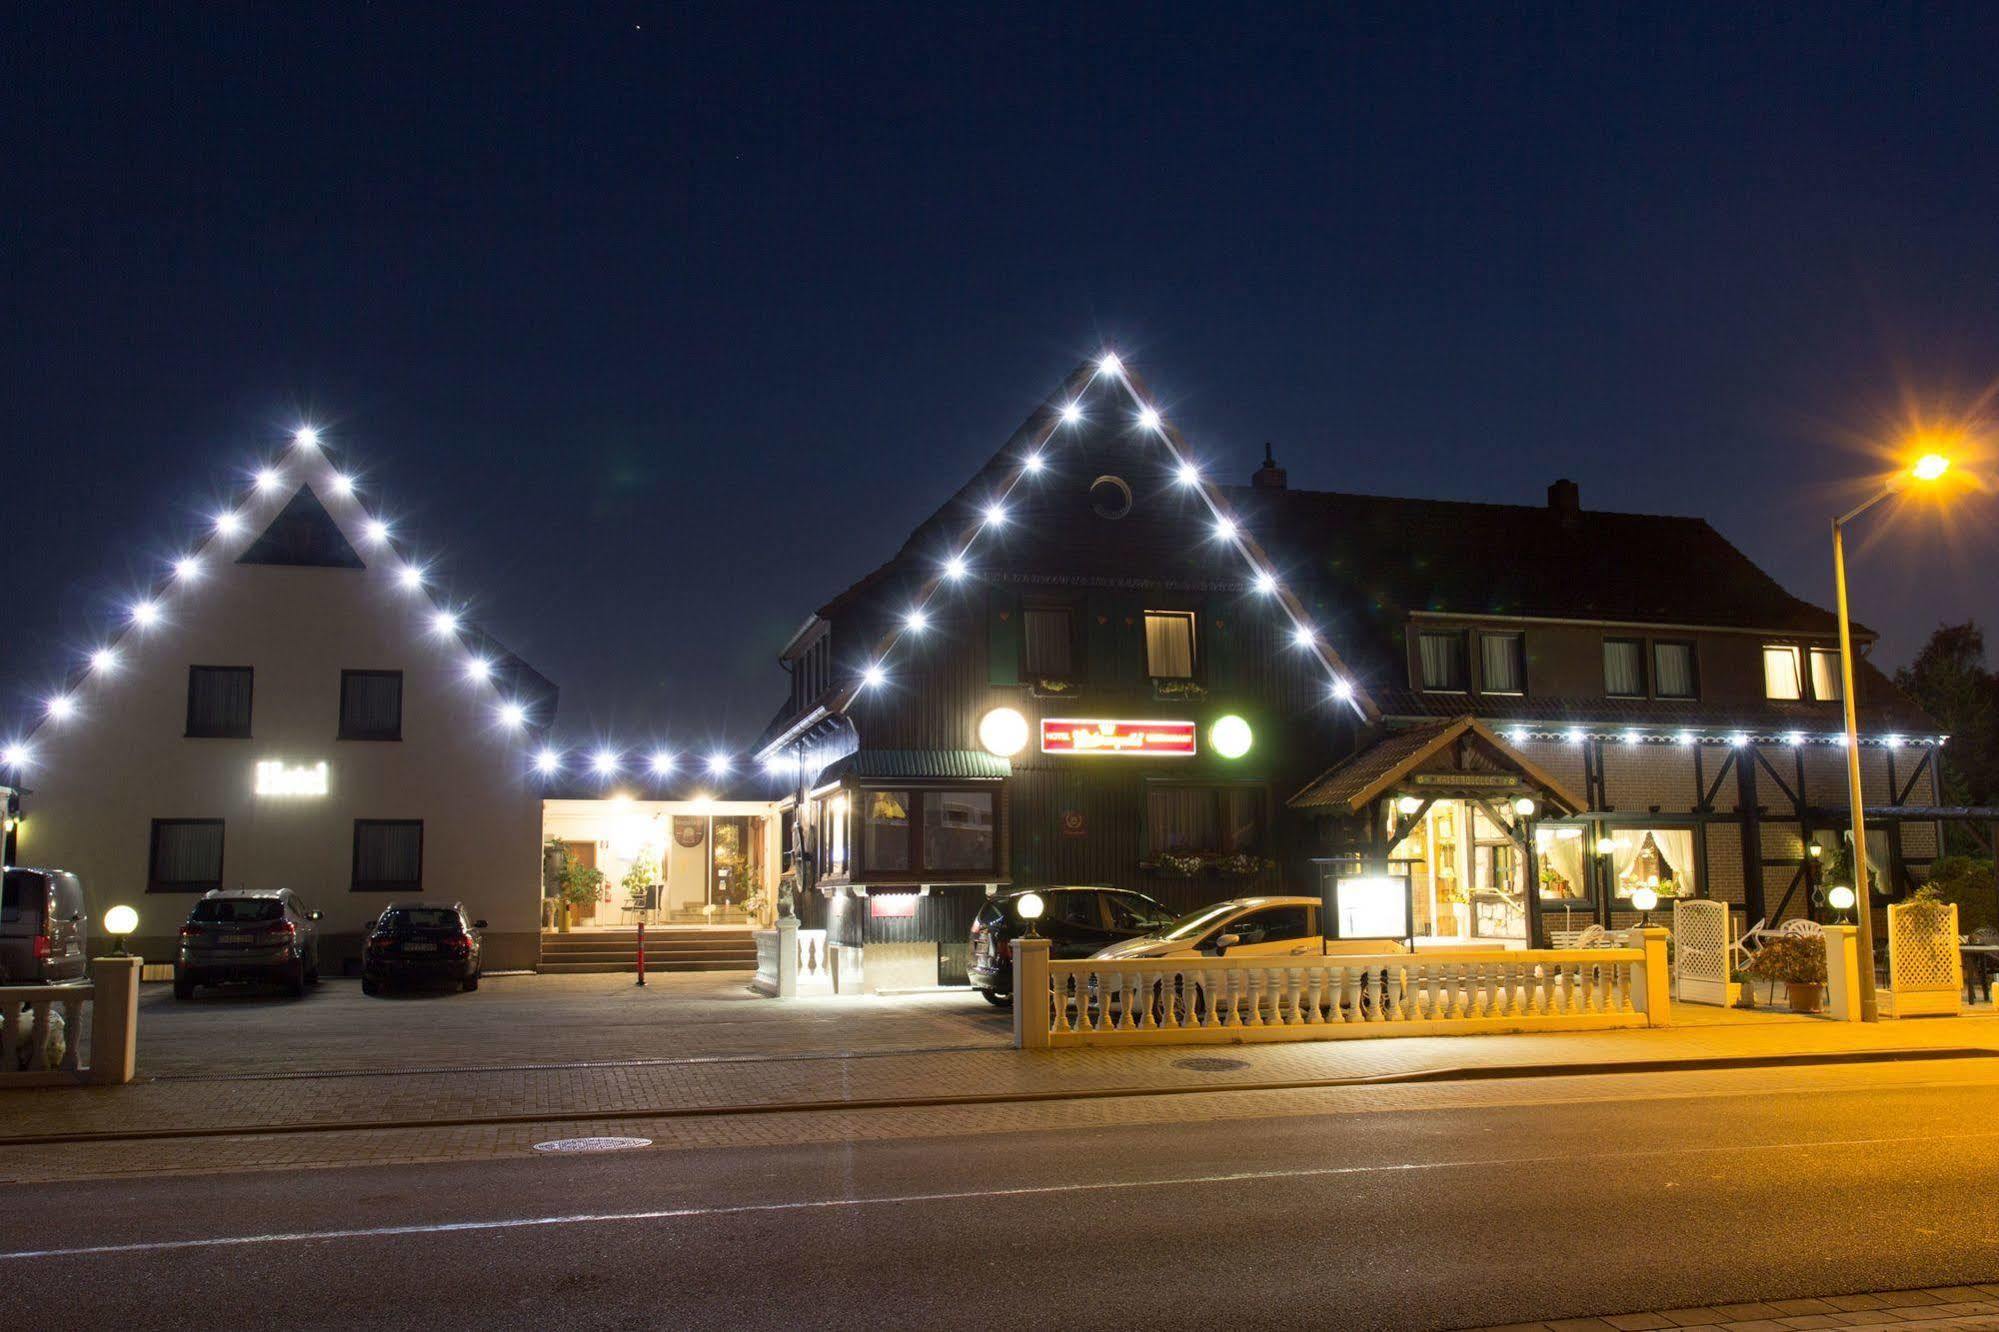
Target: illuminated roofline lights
x=1071, y=413
x=1148, y=418
x=268, y=479
x=513, y=716
x=661, y=763
x=1110, y=365
x=547, y=761
x=306, y=437
x=187, y=568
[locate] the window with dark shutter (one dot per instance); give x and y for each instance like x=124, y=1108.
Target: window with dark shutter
x=186, y=856
x=218, y=702
x=371, y=705
x=1049, y=646
x=388, y=855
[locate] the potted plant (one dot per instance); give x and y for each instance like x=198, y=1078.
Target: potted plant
x=1745, y=989
x=1182, y=867
x=1799, y=962
x=1243, y=865
x=582, y=884
x=556, y=863
x=638, y=879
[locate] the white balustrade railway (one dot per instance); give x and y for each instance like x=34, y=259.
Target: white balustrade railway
x=1249, y=998
x=41, y=1034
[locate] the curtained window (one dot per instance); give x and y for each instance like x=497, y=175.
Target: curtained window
x=1048, y=646
x=1782, y=677
x=1825, y=674
x=1204, y=820
x=186, y=856
x=1624, y=667
x=1441, y=658
x=1673, y=670
x=388, y=856
x=371, y=705
x=1561, y=850
x=1502, y=663
x=1658, y=858
x=1169, y=645
x=218, y=702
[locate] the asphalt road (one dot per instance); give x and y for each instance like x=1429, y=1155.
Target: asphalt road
x=1631, y=1192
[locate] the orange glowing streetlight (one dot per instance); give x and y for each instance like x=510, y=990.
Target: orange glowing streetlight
x=1926, y=469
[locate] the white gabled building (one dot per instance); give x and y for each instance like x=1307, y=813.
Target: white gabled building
x=292, y=707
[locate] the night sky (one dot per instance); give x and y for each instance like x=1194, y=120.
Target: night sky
x=659, y=325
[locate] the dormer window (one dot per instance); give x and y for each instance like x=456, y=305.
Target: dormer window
x=1441, y=660
x=1825, y=675
x=1783, y=672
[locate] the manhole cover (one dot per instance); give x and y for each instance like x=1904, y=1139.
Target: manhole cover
x=1210, y=1065
x=592, y=1144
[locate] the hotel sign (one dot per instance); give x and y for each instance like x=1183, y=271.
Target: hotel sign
x=1136, y=739
x=280, y=779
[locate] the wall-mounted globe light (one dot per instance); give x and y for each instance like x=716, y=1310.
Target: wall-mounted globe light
x=1003, y=732
x=1231, y=737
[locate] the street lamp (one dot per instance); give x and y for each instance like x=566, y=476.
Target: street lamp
x=1928, y=468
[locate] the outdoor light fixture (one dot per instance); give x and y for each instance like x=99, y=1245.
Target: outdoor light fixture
x=1525, y=807
x=16, y=755
x=268, y=479
x=104, y=660
x=1188, y=474
x=1029, y=906
x=996, y=514
x=119, y=922
x=1645, y=899
x=718, y=765
x=954, y=568
x=378, y=531
x=917, y=621
x=1408, y=804
x=1632, y=737
x=1814, y=850
x=444, y=622
x=1003, y=732
x=1894, y=742
x=1342, y=691
x=410, y=577
x=1738, y=740
x=343, y=484
x=228, y=523
x=1930, y=466
x=1071, y=413
x=513, y=716
x=1518, y=737
x=478, y=669
x=547, y=761
x=1264, y=582
x=187, y=568
x=1110, y=365
x=1231, y=736
x=306, y=437
x=1794, y=738
x=1032, y=462
x=1224, y=529
x=1575, y=737
x=1149, y=419
x=1685, y=737
x=145, y=614
x=662, y=763
x=1302, y=636
x=1840, y=897
x=60, y=707
x=872, y=676
x=603, y=763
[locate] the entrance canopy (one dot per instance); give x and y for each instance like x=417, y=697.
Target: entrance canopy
x=1454, y=758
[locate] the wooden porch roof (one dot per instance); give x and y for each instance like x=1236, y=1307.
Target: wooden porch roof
x=1350, y=785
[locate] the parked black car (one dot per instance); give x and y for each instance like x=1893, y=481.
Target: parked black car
x=421, y=941
x=1076, y=921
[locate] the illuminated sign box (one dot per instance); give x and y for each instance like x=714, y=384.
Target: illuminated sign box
x=1134, y=739
x=1371, y=907
x=280, y=779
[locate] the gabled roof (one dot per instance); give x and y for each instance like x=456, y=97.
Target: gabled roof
x=304, y=535
x=1375, y=771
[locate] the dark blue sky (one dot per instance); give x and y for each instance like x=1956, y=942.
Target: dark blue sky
x=658, y=325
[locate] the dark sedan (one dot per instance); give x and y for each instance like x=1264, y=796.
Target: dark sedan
x=1076, y=921
x=421, y=941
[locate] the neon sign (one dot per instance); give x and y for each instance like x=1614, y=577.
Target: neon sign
x=1135, y=739
x=278, y=779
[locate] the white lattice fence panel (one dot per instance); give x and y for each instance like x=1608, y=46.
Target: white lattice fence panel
x=1925, y=970
x=1701, y=946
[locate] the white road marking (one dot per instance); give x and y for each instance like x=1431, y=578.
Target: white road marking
x=967, y=1195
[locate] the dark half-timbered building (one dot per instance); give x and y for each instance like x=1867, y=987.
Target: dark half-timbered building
x=1091, y=664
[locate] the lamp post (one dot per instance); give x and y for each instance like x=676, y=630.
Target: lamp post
x=1928, y=468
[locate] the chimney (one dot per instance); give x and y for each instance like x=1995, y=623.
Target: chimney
x=1565, y=500
x=1269, y=476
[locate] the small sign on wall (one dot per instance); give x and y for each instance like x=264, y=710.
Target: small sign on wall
x=1074, y=824
x=891, y=906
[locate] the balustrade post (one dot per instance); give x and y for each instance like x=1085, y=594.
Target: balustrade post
x=114, y=1020
x=1031, y=1022
x=787, y=957
x=1651, y=987
x=1842, y=973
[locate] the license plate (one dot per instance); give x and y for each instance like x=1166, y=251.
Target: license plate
x=414, y=947
x=232, y=938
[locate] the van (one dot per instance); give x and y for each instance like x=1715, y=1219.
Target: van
x=44, y=931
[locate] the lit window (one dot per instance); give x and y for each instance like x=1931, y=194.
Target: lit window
x=1825, y=674
x=1169, y=645
x=1782, y=677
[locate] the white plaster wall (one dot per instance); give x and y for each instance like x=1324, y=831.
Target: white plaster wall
x=99, y=780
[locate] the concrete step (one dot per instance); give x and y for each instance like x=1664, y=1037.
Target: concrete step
x=613, y=968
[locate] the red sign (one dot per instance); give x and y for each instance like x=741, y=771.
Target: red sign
x=1139, y=739
x=892, y=906
x=1073, y=823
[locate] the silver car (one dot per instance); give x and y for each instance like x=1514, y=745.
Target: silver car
x=248, y=935
x=44, y=928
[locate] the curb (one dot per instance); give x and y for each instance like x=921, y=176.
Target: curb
x=1455, y=1074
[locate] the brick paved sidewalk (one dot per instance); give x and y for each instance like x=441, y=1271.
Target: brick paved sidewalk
x=1956, y=1307
x=684, y=1085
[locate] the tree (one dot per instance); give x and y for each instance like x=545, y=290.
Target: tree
x=1950, y=681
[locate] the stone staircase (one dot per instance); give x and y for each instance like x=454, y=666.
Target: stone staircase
x=668, y=948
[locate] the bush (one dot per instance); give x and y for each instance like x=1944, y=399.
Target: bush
x=1970, y=884
x=1792, y=959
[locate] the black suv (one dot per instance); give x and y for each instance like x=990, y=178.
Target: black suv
x=1077, y=922
x=421, y=941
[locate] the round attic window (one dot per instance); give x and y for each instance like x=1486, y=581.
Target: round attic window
x=1110, y=497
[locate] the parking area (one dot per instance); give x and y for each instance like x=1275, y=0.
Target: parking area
x=512, y=1021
